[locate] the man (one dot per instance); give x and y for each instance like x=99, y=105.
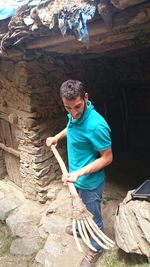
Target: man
x=89, y=151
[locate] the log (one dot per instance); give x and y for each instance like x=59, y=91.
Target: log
x=10, y=150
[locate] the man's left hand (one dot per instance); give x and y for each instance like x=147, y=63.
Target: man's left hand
x=70, y=177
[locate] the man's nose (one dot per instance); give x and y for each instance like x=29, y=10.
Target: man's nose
x=74, y=113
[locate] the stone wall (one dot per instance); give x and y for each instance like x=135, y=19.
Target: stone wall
x=27, y=93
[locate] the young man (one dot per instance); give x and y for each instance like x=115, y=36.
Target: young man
x=89, y=151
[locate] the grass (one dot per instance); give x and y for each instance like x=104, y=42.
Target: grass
x=5, y=242
x=5, y=239
x=31, y=259
x=125, y=260
x=108, y=197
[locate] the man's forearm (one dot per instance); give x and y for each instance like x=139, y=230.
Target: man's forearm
x=61, y=134
x=95, y=166
x=98, y=164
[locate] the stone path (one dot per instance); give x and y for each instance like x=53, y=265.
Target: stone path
x=39, y=229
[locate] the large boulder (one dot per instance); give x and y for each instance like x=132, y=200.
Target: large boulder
x=132, y=226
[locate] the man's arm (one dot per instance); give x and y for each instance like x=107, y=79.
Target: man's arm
x=54, y=139
x=105, y=159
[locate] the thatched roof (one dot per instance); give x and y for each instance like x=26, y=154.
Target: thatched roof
x=102, y=26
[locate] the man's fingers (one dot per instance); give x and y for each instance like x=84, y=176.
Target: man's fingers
x=70, y=180
x=65, y=182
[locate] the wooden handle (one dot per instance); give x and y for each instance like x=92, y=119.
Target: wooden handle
x=71, y=186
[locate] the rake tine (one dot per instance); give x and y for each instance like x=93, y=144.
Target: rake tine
x=94, y=236
x=75, y=235
x=105, y=238
x=85, y=231
x=83, y=237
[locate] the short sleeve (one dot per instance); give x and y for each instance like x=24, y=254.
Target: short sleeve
x=100, y=137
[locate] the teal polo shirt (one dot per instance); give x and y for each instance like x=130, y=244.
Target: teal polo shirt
x=86, y=137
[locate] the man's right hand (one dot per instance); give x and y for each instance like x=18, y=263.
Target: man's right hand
x=51, y=141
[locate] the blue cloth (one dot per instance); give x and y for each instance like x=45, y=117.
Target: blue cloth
x=87, y=136
x=75, y=22
x=92, y=200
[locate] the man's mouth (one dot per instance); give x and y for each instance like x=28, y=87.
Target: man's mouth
x=77, y=116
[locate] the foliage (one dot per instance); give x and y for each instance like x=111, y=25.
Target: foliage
x=5, y=239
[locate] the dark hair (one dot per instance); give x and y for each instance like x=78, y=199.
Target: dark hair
x=72, y=89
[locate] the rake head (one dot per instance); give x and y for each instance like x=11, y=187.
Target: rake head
x=87, y=228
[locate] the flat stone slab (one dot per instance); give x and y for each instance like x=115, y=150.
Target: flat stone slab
x=132, y=226
x=7, y=205
x=24, y=246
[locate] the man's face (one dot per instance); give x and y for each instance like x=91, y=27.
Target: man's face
x=76, y=106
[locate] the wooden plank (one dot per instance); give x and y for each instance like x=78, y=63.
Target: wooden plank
x=6, y=133
x=12, y=166
x=14, y=139
x=12, y=157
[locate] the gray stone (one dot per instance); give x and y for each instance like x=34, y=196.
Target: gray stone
x=50, y=252
x=23, y=222
x=7, y=205
x=52, y=208
x=52, y=224
x=40, y=257
x=132, y=226
x=23, y=246
x=2, y=195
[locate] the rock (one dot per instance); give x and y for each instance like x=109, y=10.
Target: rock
x=52, y=224
x=51, y=195
x=23, y=222
x=40, y=257
x=132, y=226
x=2, y=195
x=24, y=246
x=50, y=252
x=52, y=208
x=7, y=205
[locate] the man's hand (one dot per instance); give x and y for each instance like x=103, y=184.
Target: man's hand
x=51, y=141
x=70, y=177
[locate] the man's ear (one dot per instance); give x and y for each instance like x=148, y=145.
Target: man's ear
x=86, y=97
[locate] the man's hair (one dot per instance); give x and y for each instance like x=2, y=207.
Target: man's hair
x=71, y=89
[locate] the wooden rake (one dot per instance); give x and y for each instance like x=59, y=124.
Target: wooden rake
x=82, y=218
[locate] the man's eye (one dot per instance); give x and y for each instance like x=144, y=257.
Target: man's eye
x=78, y=107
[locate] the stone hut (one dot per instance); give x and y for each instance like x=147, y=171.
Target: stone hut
x=109, y=51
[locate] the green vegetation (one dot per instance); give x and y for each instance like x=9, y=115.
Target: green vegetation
x=127, y=261
x=5, y=239
x=108, y=197
x=31, y=259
